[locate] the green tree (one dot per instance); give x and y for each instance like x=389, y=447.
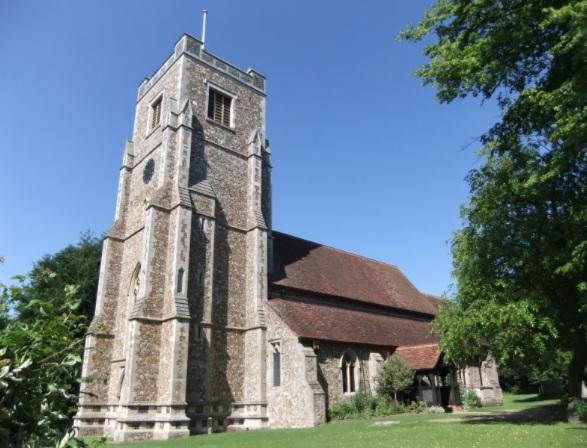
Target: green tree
x=520, y=260
x=394, y=376
x=40, y=362
x=77, y=264
x=43, y=319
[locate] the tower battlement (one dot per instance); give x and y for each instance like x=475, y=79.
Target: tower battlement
x=192, y=47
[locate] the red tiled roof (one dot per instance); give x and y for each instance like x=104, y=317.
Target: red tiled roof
x=309, y=266
x=421, y=356
x=332, y=323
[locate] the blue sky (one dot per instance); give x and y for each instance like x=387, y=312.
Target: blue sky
x=364, y=157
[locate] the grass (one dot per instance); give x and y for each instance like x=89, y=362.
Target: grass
x=523, y=421
x=522, y=401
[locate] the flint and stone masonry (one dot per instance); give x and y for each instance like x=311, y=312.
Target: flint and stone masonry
x=184, y=339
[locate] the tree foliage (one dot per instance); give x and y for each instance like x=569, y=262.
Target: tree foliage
x=43, y=319
x=39, y=367
x=520, y=260
x=394, y=376
x=78, y=265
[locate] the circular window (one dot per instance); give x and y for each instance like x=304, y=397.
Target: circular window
x=148, y=171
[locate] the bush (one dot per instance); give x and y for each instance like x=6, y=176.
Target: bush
x=384, y=407
x=436, y=410
x=564, y=401
x=581, y=409
x=340, y=411
x=417, y=407
x=359, y=403
x=372, y=405
x=471, y=400
x=362, y=405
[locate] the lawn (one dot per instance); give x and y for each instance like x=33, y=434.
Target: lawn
x=523, y=421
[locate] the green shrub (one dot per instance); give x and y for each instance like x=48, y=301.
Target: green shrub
x=340, y=411
x=471, y=400
x=581, y=409
x=385, y=407
x=359, y=403
x=516, y=389
x=397, y=408
x=382, y=407
x=564, y=401
x=436, y=410
x=417, y=407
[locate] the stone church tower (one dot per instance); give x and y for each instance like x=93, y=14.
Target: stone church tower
x=179, y=332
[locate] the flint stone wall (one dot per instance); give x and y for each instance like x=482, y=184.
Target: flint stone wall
x=484, y=380
x=300, y=400
x=330, y=374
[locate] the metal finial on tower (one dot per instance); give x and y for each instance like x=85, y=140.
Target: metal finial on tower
x=205, y=11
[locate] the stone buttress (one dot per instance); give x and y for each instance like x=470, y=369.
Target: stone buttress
x=178, y=341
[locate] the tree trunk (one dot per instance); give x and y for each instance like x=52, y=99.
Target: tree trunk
x=576, y=374
x=395, y=397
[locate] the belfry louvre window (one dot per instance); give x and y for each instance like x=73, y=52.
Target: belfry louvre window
x=156, y=113
x=219, y=106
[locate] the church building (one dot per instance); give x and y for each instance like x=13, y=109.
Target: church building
x=207, y=319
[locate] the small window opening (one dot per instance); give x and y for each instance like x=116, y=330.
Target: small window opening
x=219, y=107
x=156, y=113
x=348, y=373
x=276, y=364
x=199, y=332
x=180, y=280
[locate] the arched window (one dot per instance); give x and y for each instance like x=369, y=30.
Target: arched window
x=347, y=367
x=276, y=346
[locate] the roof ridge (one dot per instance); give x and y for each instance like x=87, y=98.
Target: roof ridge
x=426, y=344
x=435, y=296
x=348, y=253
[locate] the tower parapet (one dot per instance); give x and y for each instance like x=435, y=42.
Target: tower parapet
x=192, y=47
